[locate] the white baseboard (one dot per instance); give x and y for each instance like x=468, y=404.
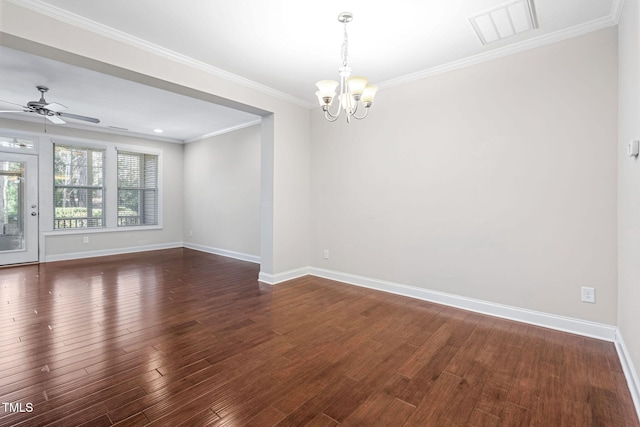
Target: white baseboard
x=552, y=321
x=274, y=279
x=223, y=252
x=106, y=252
x=547, y=320
x=630, y=373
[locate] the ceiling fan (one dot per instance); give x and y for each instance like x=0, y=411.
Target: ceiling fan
x=52, y=111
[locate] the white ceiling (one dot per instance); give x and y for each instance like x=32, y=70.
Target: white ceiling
x=118, y=103
x=278, y=46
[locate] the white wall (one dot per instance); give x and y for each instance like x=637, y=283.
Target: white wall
x=495, y=182
x=222, y=192
x=629, y=187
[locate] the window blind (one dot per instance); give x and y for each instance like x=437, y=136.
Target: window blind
x=137, y=189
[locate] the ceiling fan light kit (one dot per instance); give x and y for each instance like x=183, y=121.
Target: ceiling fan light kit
x=51, y=111
x=354, y=91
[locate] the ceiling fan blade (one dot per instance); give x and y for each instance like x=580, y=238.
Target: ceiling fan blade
x=12, y=111
x=55, y=119
x=55, y=107
x=12, y=103
x=77, y=117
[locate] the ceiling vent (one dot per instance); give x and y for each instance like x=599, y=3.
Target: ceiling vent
x=508, y=19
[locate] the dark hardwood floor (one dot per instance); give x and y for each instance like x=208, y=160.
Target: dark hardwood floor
x=179, y=337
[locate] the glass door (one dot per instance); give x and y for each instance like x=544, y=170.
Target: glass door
x=18, y=208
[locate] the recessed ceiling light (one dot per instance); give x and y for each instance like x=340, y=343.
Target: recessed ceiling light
x=158, y=130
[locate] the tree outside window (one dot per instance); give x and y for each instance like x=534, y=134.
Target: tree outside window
x=78, y=187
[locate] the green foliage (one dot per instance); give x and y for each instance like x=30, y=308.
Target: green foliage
x=11, y=186
x=78, y=166
x=76, y=212
x=124, y=211
x=12, y=205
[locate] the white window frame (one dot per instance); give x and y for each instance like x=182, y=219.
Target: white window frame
x=110, y=204
x=139, y=150
x=11, y=133
x=105, y=198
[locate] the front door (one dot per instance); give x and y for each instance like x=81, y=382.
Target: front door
x=18, y=208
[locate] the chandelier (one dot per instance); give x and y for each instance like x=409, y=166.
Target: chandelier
x=354, y=91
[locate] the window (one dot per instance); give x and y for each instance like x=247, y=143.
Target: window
x=137, y=189
x=78, y=187
x=99, y=186
x=16, y=143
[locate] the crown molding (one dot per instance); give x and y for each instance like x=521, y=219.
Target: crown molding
x=92, y=128
x=578, y=30
x=120, y=36
x=616, y=10
x=223, y=131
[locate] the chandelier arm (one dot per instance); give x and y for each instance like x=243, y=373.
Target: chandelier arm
x=355, y=108
x=366, y=112
x=330, y=117
x=337, y=113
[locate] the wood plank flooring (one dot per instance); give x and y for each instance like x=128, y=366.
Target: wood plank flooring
x=180, y=337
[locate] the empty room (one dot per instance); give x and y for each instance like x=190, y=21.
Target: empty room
x=208, y=216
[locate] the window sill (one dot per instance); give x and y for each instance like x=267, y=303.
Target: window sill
x=64, y=231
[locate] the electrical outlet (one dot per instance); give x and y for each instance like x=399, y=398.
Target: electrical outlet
x=326, y=254
x=588, y=294
x=85, y=239
x=191, y=233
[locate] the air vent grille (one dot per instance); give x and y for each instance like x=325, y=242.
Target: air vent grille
x=508, y=19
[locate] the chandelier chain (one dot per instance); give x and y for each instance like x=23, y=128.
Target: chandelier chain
x=345, y=47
